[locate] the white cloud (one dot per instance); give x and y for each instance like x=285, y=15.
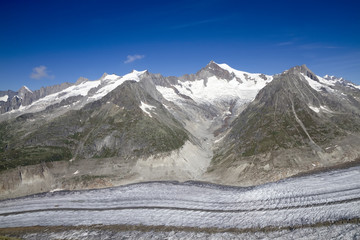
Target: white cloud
x=40, y=72
x=132, y=58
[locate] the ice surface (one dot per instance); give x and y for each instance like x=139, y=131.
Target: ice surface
x=216, y=89
x=344, y=231
x=329, y=196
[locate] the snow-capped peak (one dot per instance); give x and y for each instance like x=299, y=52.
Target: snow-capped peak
x=111, y=77
x=217, y=87
x=138, y=72
x=241, y=74
x=25, y=89
x=110, y=82
x=81, y=80
x=228, y=68
x=332, y=78
x=134, y=75
x=100, y=87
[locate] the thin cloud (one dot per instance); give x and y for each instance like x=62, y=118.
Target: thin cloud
x=132, y=58
x=40, y=72
x=288, y=40
x=285, y=43
x=318, y=46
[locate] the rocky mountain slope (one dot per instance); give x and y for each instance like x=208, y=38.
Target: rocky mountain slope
x=297, y=122
x=219, y=125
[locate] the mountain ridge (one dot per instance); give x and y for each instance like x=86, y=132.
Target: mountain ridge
x=219, y=125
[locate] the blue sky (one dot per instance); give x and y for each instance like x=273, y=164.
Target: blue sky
x=44, y=43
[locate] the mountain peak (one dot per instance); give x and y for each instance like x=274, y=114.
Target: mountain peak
x=139, y=72
x=81, y=80
x=134, y=75
x=212, y=65
x=24, y=89
x=104, y=76
x=212, y=69
x=304, y=70
x=333, y=78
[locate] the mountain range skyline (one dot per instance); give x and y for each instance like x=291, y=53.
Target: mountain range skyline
x=116, y=75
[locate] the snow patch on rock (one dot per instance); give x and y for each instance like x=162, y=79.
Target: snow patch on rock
x=4, y=98
x=315, y=109
x=146, y=108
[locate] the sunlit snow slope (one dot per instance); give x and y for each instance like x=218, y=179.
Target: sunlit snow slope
x=217, y=86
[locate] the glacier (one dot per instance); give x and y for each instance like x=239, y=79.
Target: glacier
x=307, y=201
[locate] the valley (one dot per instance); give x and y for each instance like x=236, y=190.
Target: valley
x=216, y=154
x=179, y=120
